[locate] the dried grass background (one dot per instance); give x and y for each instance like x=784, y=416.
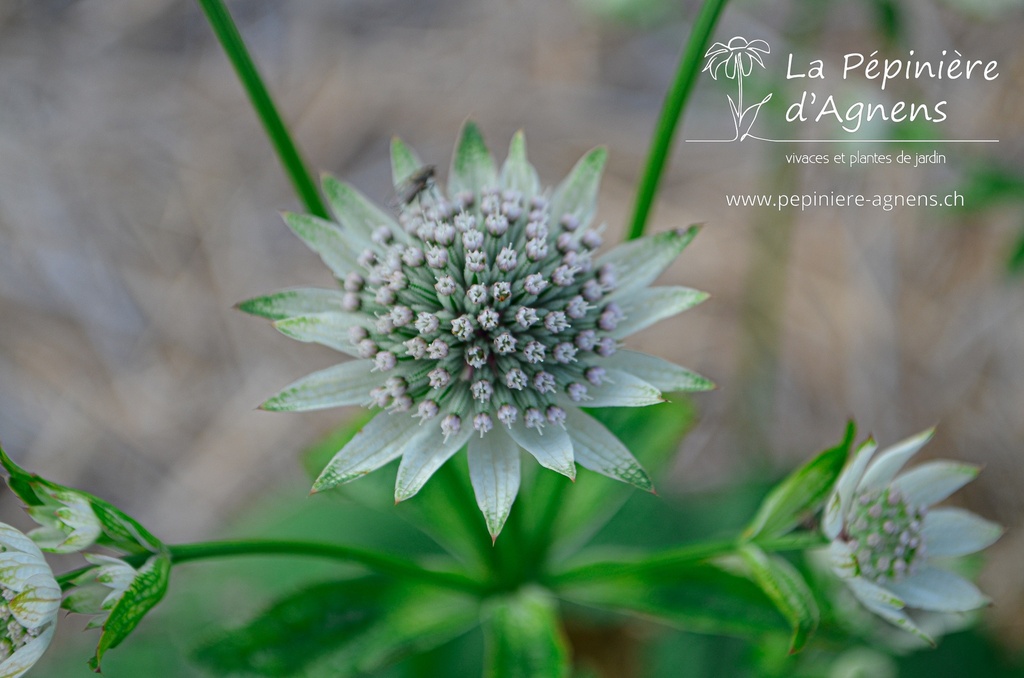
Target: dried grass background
x=139, y=200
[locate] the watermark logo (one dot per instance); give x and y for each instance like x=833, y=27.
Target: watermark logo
x=735, y=60
x=830, y=101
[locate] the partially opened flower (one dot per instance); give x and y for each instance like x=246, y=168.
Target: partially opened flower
x=735, y=58
x=97, y=590
x=31, y=600
x=68, y=522
x=888, y=542
x=481, y=316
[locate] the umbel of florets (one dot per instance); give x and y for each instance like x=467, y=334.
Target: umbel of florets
x=481, y=315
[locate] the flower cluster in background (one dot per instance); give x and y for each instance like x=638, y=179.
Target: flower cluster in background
x=889, y=543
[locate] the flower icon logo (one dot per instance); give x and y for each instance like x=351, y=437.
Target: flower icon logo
x=736, y=60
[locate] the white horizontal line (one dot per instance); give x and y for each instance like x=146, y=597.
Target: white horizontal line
x=850, y=141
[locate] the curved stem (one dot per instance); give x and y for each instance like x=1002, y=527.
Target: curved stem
x=672, y=559
x=380, y=563
x=230, y=39
x=671, y=113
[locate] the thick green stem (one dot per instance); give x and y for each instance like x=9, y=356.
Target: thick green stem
x=372, y=560
x=230, y=39
x=672, y=111
x=676, y=558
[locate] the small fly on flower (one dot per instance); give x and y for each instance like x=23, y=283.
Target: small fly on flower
x=419, y=181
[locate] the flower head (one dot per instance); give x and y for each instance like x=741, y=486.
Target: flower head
x=888, y=542
x=500, y=322
x=737, y=57
x=31, y=599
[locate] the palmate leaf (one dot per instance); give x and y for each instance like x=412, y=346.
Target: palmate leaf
x=340, y=628
x=524, y=637
x=700, y=598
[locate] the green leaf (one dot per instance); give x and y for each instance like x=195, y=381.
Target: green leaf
x=472, y=165
x=525, y=638
x=146, y=590
x=801, y=493
x=291, y=303
x=787, y=589
x=340, y=628
x=700, y=598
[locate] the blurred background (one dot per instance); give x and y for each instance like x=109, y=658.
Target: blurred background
x=139, y=201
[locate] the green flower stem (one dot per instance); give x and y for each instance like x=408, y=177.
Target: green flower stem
x=372, y=560
x=672, y=112
x=672, y=559
x=230, y=39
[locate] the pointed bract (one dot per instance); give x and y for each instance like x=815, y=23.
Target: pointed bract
x=494, y=473
x=404, y=163
x=472, y=165
x=653, y=304
x=597, y=449
x=380, y=441
x=552, y=447
x=345, y=384
x=576, y=196
x=638, y=263
x=291, y=303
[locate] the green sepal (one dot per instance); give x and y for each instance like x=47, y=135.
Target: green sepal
x=801, y=493
x=787, y=589
x=524, y=638
x=119, y=530
x=146, y=591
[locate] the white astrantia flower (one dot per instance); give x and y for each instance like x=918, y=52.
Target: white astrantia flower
x=68, y=522
x=31, y=600
x=96, y=591
x=888, y=543
x=481, y=316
